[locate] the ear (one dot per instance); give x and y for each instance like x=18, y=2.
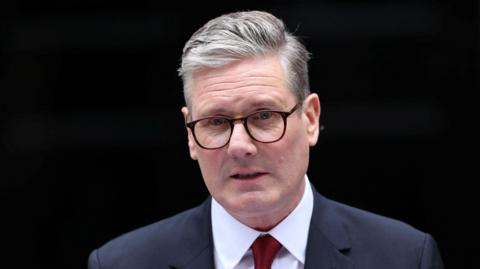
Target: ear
x=311, y=111
x=192, y=146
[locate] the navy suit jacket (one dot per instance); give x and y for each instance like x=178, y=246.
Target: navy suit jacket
x=340, y=237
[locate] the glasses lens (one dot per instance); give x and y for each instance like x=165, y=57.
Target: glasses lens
x=266, y=126
x=212, y=132
x=263, y=126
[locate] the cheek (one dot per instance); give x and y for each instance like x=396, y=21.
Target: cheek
x=294, y=152
x=210, y=163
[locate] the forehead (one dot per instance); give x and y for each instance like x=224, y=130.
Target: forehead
x=253, y=81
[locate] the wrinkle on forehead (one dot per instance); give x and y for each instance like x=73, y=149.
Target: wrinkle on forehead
x=235, y=101
x=219, y=80
x=254, y=80
x=236, y=89
x=239, y=83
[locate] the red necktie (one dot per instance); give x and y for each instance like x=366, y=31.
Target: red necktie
x=264, y=249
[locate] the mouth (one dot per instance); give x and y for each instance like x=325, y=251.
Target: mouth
x=247, y=176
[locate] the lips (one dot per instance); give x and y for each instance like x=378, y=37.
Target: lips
x=246, y=176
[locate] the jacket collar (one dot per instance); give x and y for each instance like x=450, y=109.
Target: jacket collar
x=196, y=249
x=328, y=241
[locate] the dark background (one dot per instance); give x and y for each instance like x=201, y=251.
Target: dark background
x=92, y=140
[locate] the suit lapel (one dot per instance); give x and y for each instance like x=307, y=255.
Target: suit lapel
x=322, y=254
x=197, y=244
x=327, y=240
x=326, y=247
x=204, y=260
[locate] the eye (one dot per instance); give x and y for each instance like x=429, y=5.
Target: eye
x=263, y=115
x=217, y=121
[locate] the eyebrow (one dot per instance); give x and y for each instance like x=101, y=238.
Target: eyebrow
x=254, y=106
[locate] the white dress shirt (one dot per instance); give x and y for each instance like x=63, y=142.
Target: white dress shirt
x=232, y=239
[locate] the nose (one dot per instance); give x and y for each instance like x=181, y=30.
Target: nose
x=241, y=145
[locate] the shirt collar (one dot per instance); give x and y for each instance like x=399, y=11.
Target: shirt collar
x=230, y=247
x=292, y=232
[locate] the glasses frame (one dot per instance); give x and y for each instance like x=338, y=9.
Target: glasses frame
x=232, y=122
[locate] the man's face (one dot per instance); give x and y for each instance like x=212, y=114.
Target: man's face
x=258, y=183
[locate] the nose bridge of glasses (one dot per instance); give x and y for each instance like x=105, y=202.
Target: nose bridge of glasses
x=239, y=121
x=242, y=120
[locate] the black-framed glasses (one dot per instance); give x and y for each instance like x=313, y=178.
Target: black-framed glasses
x=266, y=126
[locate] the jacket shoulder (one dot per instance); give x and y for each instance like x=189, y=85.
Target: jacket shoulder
x=382, y=242
x=159, y=243
x=360, y=223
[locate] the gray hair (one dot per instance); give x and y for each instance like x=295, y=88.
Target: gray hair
x=240, y=35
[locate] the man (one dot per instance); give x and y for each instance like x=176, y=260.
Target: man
x=251, y=120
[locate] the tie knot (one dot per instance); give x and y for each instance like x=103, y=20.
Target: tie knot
x=264, y=249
